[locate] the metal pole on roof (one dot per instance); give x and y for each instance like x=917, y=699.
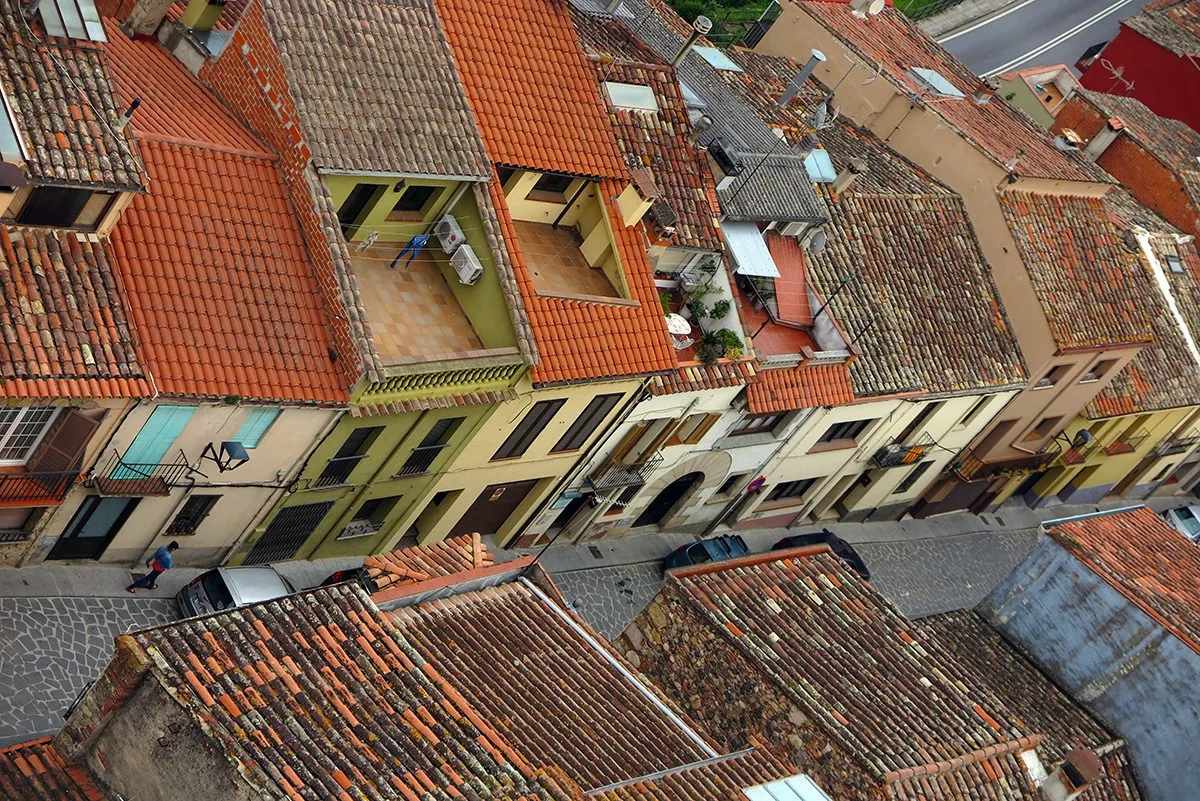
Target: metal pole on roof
x=841, y=286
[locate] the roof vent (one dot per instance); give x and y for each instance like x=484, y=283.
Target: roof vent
x=700, y=27
x=864, y=8
x=986, y=90
x=127, y=115
x=802, y=77
x=1079, y=770
x=849, y=175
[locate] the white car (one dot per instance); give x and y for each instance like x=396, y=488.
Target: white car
x=1185, y=520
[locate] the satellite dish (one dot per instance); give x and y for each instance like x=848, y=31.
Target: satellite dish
x=876, y=6
x=816, y=245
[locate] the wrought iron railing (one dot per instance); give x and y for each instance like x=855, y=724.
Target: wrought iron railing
x=970, y=467
x=1173, y=446
x=615, y=476
x=128, y=479
x=1127, y=444
x=898, y=453
x=421, y=460
x=338, y=471
x=14, y=534
x=36, y=486
x=1078, y=454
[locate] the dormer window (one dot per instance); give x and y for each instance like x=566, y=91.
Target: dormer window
x=1175, y=265
x=62, y=207
x=631, y=96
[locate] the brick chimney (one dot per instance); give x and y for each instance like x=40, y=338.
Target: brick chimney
x=1079, y=770
x=1104, y=137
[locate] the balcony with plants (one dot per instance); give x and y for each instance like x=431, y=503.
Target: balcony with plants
x=701, y=310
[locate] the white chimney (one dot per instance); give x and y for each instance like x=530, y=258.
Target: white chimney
x=802, y=77
x=146, y=16
x=849, y=175
x=986, y=90
x=1079, y=770
x=864, y=8
x=700, y=27
x=1105, y=137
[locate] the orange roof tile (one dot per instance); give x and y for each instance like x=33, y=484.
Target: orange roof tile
x=214, y=264
x=803, y=387
x=578, y=339
x=423, y=562
x=1144, y=559
x=34, y=771
x=534, y=95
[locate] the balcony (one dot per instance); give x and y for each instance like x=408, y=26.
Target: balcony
x=1126, y=444
x=421, y=460
x=1174, y=446
x=969, y=467
x=1078, y=454
x=337, y=472
x=616, y=476
x=130, y=479
x=14, y=535
x=898, y=454
x=35, y=489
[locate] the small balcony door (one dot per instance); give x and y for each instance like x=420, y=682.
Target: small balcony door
x=150, y=446
x=93, y=527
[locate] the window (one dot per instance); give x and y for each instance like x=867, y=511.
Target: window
x=974, y=411
x=587, y=423
x=338, y=471
x=757, y=423
x=21, y=429
x=553, y=187
x=716, y=58
x=376, y=509
x=431, y=445
x=11, y=148
x=504, y=173
x=528, y=429
x=693, y=429
x=849, y=430
x=914, y=427
x=1174, y=264
x=358, y=442
x=1161, y=474
x=414, y=199
x=189, y=518
x=64, y=207
x=255, y=428
x=1099, y=371
x=791, y=489
x=731, y=484
x=1043, y=429
x=911, y=479
x=356, y=205
x=631, y=96
x=1055, y=375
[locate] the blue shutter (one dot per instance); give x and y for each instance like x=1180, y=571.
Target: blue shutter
x=158, y=433
x=256, y=425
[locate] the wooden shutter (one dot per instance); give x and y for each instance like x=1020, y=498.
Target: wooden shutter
x=657, y=442
x=627, y=442
x=63, y=448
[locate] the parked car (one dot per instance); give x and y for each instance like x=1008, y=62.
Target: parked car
x=1185, y=520
x=358, y=574
x=839, y=546
x=231, y=587
x=716, y=549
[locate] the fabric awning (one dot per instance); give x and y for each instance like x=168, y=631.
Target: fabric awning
x=749, y=249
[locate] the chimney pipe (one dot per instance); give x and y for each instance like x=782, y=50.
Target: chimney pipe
x=700, y=27
x=128, y=114
x=802, y=77
x=986, y=90
x=849, y=175
x=1105, y=137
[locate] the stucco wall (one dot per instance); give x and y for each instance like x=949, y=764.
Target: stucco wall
x=1112, y=657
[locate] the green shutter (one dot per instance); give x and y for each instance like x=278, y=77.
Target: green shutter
x=255, y=427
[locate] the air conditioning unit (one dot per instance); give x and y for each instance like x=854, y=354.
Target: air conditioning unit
x=793, y=228
x=449, y=234
x=466, y=264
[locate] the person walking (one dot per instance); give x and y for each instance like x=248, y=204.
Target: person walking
x=160, y=562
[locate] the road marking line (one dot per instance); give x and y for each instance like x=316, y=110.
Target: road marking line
x=987, y=21
x=1057, y=40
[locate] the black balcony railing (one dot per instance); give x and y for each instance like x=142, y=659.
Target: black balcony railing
x=131, y=479
x=969, y=467
x=1127, y=444
x=421, y=460
x=617, y=476
x=14, y=534
x=1078, y=454
x=338, y=471
x=34, y=487
x=1173, y=446
x=898, y=453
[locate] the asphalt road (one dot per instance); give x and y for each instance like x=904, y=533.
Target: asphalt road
x=1036, y=33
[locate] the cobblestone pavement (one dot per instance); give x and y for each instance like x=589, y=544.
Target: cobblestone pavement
x=51, y=647
x=609, y=597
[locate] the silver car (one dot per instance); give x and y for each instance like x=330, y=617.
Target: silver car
x=231, y=587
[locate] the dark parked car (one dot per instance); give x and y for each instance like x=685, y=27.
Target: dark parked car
x=358, y=574
x=717, y=549
x=836, y=544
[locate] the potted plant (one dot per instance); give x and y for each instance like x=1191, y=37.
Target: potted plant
x=729, y=342
x=719, y=310
x=709, y=348
x=665, y=299
x=695, y=309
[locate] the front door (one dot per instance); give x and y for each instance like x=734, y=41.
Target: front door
x=287, y=533
x=93, y=527
x=653, y=514
x=492, y=508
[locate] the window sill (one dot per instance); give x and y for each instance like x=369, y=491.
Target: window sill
x=779, y=503
x=834, y=445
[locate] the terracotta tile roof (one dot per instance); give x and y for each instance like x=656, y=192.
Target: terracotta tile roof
x=34, y=771
x=1092, y=289
x=692, y=377
x=317, y=696
x=62, y=98
x=579, y=339
x=722, y=780
x=582, y=714
x=1035, y=699
x=1174, y=24
x=895, y=43
x=1174, y=142
x=659, y=140
x=1146, y=560
x=366, y=102
x=215, y=266
x=836, y=648
x=532, y=90
x=804, y=387
x=65, y=331
x=424, y=562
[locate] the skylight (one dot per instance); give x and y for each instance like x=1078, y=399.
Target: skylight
x=1174, y=264
x=794, y=788
x=631, y=96
x=820, y=166
x=10, y=139
x=716, y=58
x=692, y=99
x=75, y=19
x=935, y=83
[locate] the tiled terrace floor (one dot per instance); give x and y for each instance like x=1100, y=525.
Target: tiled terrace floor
x=412, y=312
x=556, y=263
x=771, y=339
